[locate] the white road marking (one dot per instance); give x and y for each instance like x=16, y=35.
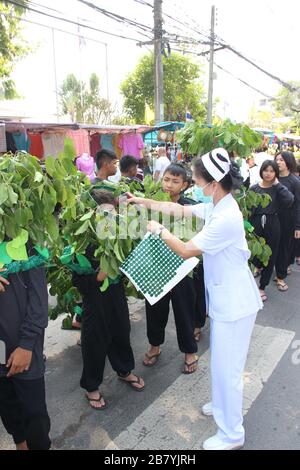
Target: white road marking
x=174, y=420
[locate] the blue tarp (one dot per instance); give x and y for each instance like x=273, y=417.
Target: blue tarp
x=151, y=137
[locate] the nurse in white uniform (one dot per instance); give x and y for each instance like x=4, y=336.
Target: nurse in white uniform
x=232, y=295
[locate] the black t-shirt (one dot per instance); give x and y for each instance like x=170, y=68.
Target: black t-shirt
x=281, y=199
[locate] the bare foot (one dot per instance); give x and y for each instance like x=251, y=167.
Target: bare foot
x=96, y=400
x=138, y=381
x=191, y=363
x=22, y=446
x=197, y=334
x=152, y=356
x=263, y=295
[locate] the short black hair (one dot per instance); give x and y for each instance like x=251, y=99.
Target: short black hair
x=102, y=196
x=127, y=162
x=104, y=156
x=268, y=163
x=289, y=159
x=176, y=169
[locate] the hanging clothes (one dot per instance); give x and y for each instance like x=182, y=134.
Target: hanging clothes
x=81, y=140
x=36, y=145
x=3, y=145
x=106, y=142
x=132, y=144
x=21, y=140
x=86, y=164
x=53, y=143
x=10, y=143
x=95, y=144
x=116, y=141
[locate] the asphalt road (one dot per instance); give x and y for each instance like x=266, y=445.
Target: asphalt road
x=167, y=414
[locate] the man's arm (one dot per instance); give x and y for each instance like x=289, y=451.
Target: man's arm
x=36, y=319
x=34, y=324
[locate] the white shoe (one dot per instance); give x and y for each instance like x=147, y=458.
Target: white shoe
x=207, y=409
x=215, y=443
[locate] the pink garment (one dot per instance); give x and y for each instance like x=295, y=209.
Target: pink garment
x=132, y=144
x=86, y=164
x=95, y=144
x=81, y=140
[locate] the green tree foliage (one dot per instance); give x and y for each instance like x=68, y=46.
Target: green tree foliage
x=241, y=140
x=84, y=103
x=183, y=89
x=12, y=46
x=238, y=138
x=288, y=103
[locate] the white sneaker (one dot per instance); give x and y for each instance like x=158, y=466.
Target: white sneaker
x=207, y=409
x=215, y=443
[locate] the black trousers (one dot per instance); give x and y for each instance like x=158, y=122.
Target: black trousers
x=24, y=413
x=105, y=332
x=183, y=298
x=200, y=311
x=271, y=232
x=285, y=251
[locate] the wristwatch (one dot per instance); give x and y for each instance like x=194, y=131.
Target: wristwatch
x=159, y=230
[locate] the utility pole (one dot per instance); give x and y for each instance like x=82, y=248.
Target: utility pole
x=158, y=61
x=211, y=67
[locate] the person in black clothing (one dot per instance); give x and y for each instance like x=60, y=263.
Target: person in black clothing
x=183, y=296
x=105, y=330
x=23, y=319
x=129, y=171
x=297, y=244
x=289, y=218
x=266, y=220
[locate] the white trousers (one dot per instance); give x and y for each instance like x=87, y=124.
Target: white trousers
x=229, y=349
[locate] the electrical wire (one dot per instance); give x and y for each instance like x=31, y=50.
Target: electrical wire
x=77, y=23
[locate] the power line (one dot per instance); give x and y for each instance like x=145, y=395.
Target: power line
x=117, y=17
x=245, y=83
x=222, y=42
x=142, y=2
x=76, y=23
x=52, y=27
x=269, y=74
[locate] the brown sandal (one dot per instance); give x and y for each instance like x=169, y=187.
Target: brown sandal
x=155, y=357
x=132, y=382
x=187, y=372
x=282, y=287
x=96, y=400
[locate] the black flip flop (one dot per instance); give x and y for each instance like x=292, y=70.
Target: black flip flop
x=186, y=372
x=98, y=400
x=155, y=356
x=131, y=383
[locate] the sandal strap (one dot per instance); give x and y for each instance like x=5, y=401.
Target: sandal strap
x=152, y=357
x=98, y=400
x=138, y=381
x=192, y=363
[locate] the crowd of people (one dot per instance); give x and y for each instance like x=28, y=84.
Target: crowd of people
x=207, y=195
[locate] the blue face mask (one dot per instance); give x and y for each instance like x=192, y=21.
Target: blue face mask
x=200, y=197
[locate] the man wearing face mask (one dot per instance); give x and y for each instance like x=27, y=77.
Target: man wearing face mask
x=232, y=310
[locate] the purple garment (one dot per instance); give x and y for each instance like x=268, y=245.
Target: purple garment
x=86, y=164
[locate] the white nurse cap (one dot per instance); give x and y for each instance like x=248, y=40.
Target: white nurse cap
x=217, y=163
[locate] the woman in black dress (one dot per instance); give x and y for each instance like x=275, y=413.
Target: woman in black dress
x=289, y=218
x=266, y=220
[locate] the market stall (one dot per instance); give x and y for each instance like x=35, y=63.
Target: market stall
x=43, y=139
